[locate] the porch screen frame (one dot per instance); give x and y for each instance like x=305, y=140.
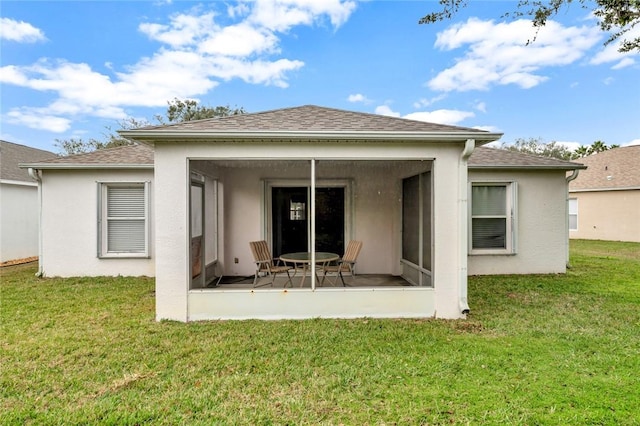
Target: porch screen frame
x=424, y=272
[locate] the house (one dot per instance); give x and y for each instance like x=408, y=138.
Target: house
x=18, y=202
x=604, y=201
x=407, y=189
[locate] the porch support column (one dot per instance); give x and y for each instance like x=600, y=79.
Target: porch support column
x=172, y=233
x=313, y=223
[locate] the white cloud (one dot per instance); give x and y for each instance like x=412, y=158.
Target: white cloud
x=386, y=110
x=19, y=31
x=572, y=146
x=38, y=119
x=196, y=55
x=281, y=15
x=498, y=54
x=441, y=116
x=481, y=106
x=424, y=102
x=632, y=142
x=610, y=52
x=492, y=129
x=358, y=97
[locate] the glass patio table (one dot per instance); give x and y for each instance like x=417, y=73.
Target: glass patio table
x=302, y=260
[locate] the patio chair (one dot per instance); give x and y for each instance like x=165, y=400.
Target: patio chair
x=346, y=264
x=265, y=264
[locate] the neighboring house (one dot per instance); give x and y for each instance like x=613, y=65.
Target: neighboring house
x=18, y=202
x=406, y=189
x=604, y=201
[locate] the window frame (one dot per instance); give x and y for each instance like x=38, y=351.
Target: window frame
x=103, y=220
x=572, y=212
x=510, y=217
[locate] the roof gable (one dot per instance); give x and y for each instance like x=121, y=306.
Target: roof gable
x=617, y=168
x=308, y=118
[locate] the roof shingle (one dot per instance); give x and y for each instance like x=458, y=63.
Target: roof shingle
x=128, y=155
x=309, y=118
x=484, y=157
x=12, y=154
x=615, y=168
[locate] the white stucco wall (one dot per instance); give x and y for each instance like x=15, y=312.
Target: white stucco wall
x=70, y=224
x=243, y=221
x=18, y=221
x=541, y=224
x=608, y=215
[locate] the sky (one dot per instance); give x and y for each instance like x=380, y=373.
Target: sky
x=77, y=69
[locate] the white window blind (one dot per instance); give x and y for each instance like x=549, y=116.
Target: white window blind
x=492, y=216
x=573, y=214
x=124, y=218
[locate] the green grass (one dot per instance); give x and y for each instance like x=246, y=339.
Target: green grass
x=561, y=349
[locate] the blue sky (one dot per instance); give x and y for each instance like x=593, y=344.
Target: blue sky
x=71, y=69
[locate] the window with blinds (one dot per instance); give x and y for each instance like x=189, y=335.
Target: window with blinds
x=124, y=219
x=492, y=218
x=573, y=214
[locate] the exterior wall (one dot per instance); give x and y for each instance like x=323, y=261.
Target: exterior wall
x=18, y=221
x=242, y=222
x=608, y=215
x=541, y=235
x=70, y=229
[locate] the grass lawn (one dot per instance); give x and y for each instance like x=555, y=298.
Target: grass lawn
x=561, y=349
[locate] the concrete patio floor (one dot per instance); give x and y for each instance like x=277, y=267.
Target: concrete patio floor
x=363, y=280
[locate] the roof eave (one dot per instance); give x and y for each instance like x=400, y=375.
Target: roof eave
x=528, y=167
x=84, y=166
x=168, y=135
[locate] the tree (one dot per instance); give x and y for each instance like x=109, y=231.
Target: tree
x=187, y=110
x=594, y=148
x=538, y=147
x=618, y=16
x=177, y=111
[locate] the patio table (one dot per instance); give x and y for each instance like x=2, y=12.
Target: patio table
x=302, y=261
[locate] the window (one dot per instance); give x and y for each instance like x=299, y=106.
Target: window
x=123, y=218
x=573, y=214
x=493, y=218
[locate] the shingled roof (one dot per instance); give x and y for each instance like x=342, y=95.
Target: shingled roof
x=614, y=169
x=308, y=118
x=128, y=156
x=485, y=157
x=141, y=156
x=12, y=154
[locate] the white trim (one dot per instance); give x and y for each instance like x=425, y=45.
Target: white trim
x=102, y=222
x=162, y=135
x=18, y=182
x=511, y=216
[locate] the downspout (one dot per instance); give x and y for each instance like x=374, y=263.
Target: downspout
x=571, y=177
x=36, y=175
x=463, y=195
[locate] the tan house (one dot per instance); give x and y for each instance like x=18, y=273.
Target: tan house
x=428, y=202
x=604, y=201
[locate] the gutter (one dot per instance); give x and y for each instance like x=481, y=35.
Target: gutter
x=388, y=136
x=86, y=166
x=463, y=200
x=36, y=175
